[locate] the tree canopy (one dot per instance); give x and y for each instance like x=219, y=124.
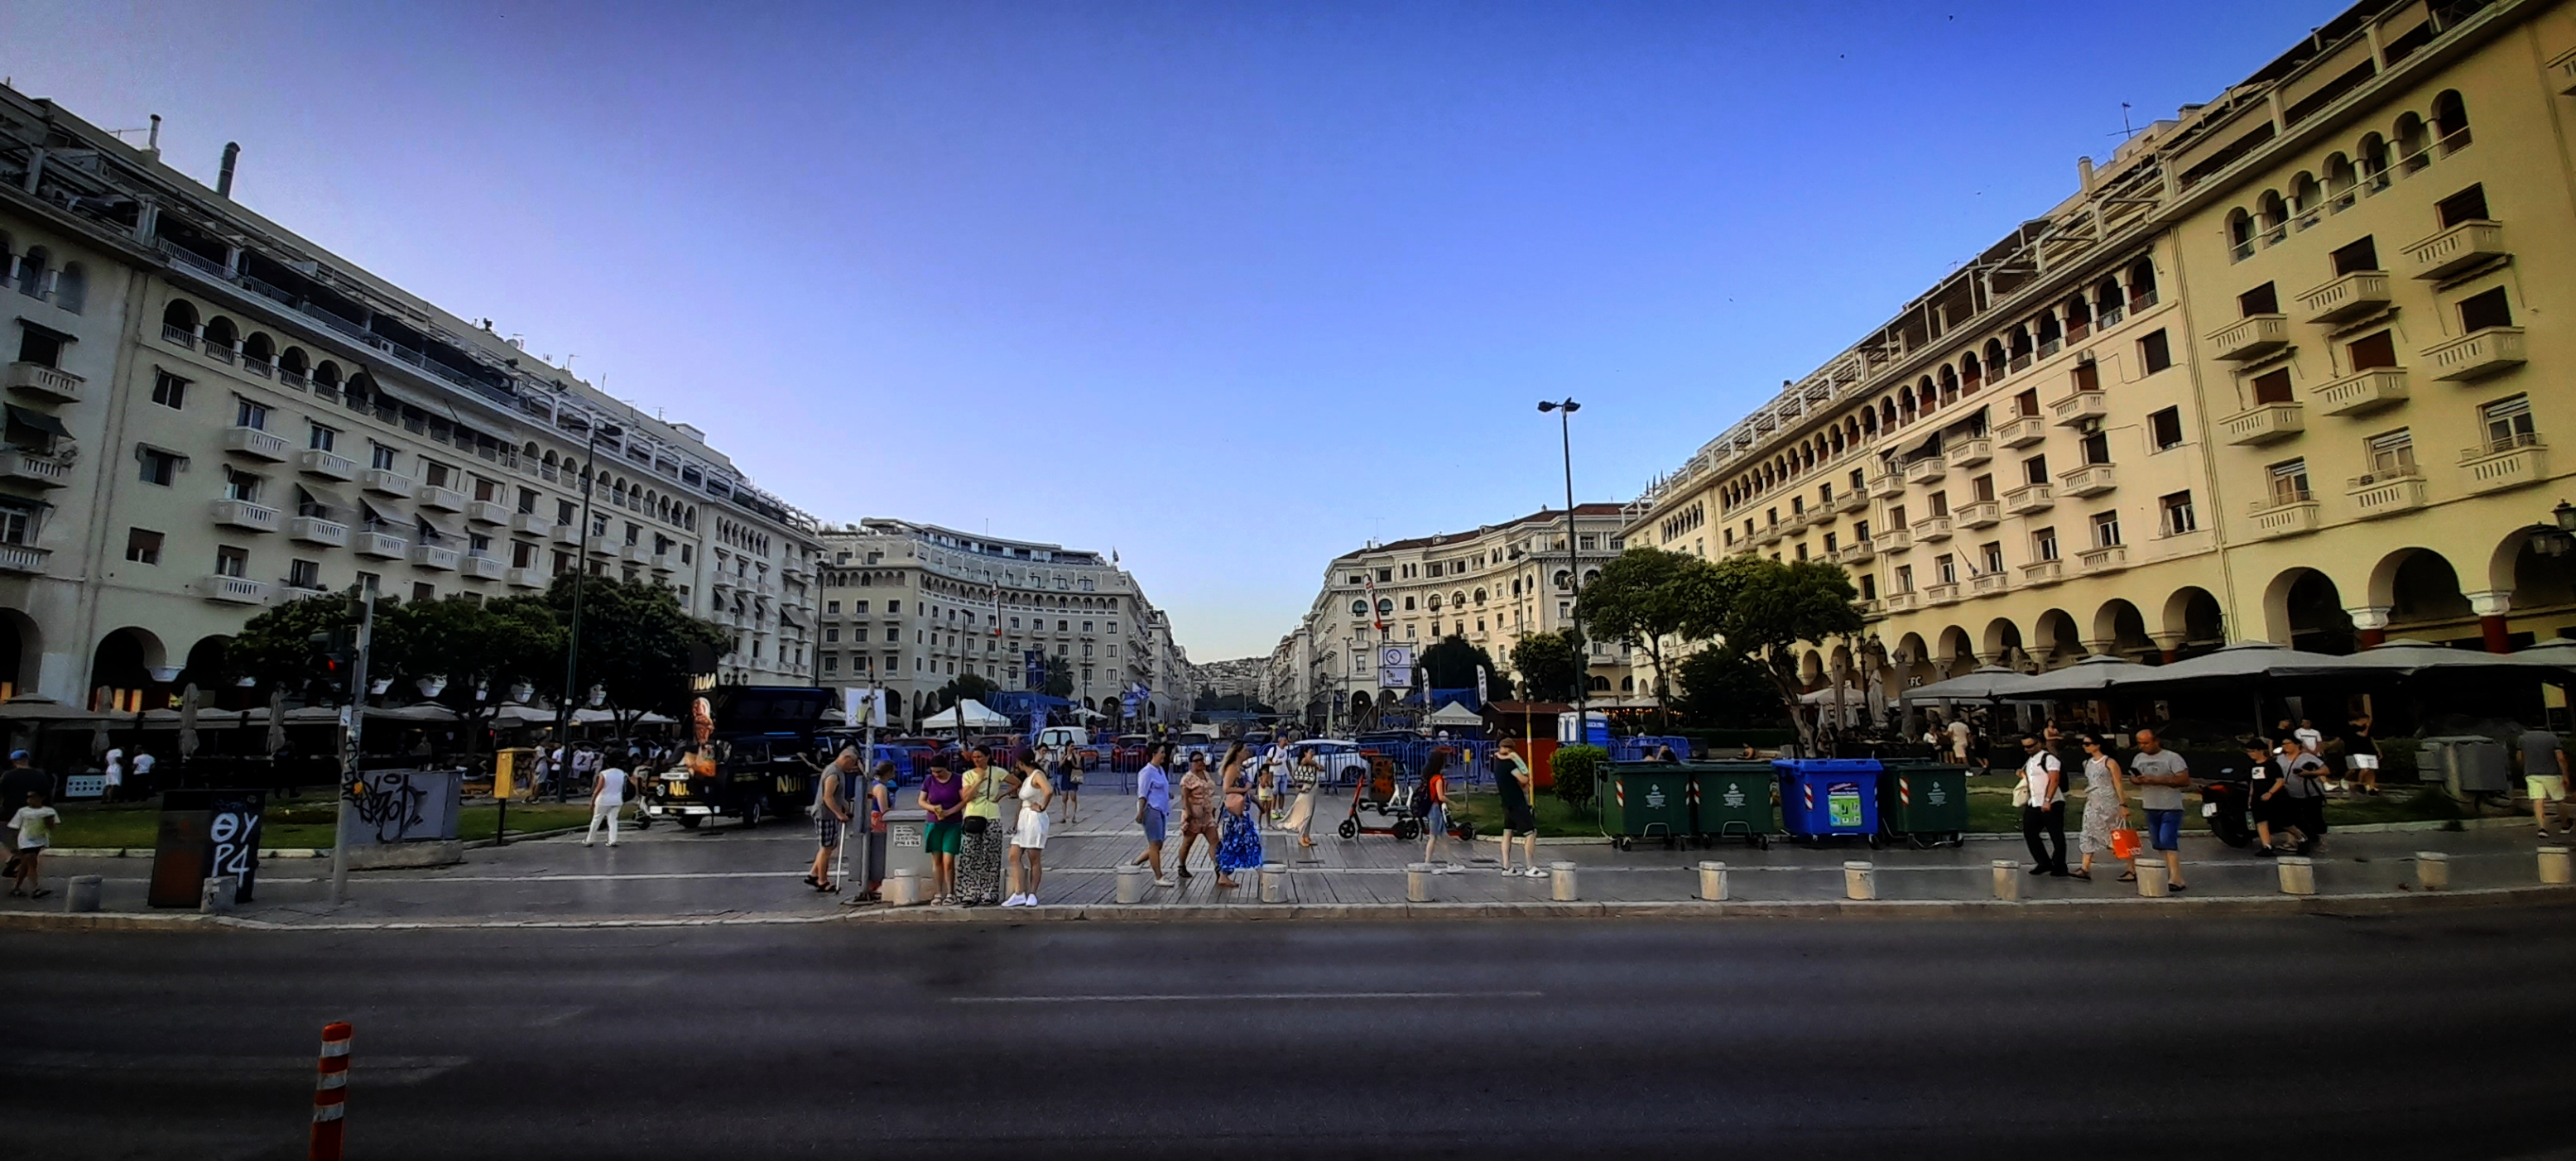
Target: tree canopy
x=637, y=644
x=1721, y=687
x=1762, y=608
x=1549, y=665
x=1452, y=661
x=1650, y=600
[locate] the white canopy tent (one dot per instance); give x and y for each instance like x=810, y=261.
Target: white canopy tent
x=974, y=716
x=1453, y=714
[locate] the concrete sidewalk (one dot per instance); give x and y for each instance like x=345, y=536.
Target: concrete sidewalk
x=722, y=875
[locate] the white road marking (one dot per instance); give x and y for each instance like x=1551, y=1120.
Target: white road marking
x=378, y=1069
x=1222, y=996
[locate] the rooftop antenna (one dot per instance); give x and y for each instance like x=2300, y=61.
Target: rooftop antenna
x=2125, y=131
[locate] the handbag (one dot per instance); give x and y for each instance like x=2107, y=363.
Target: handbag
x=2021, y=791
x=2124, y=843
x=976, y=824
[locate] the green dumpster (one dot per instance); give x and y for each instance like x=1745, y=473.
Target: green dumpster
x=1645, y=800
x=1732, y=798
x=1924, y=802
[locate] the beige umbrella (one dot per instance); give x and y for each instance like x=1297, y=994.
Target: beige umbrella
x=98, y=743
x=276, y=718
x=188, y=721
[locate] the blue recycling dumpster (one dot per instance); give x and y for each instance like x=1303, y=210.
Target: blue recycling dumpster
x=1820, y=797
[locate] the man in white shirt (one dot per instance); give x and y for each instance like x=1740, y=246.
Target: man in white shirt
x=2045, y=813
x=607, y=797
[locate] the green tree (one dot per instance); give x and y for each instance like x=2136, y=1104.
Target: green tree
x=1722, y=688
x=1649, y=599
x=636, y=643
x=276, y=648
x=1763, y=608
x=487, y=644
x=1549, y=665
x=1059, y=677
x=1452, y=662
x=962, y=687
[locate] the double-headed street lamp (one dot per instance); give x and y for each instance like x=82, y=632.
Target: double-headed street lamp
x=1573, y=571
x=580, y=581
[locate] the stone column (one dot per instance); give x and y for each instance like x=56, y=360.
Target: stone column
x=2490, y=606
x=2168, y=647
x=2371, y=622
x=2100, y=648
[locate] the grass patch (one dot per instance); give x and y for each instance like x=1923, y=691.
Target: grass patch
x=302, y=822
x=1555, y=818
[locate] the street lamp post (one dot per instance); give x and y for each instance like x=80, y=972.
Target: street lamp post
x=1574, y=572
x=580, y=581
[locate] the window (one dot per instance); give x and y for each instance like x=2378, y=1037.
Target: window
x=832, y=634
x=381, y=458
x=2088, y=375
x=2260, y=300
x=2371, y=352
x=2272, y=387
x=2155, y=353
x=2164, y=429
x=1385, y=574
x=1946, y=568
x=892, y=608
x=1905, y=578
x=2176, y=515
x=304, y=574
x=2035, y=470
x=2106, y=529
x=231, y=561
x=2043, y=544
x=2025, y=405
x=434, y=473
x=834, y=608
x=142, y=546
x=859, y=608
x=1983, y=487
x=1991, y=556
x=241, y=485
x=1868, y=587
x=169, y=390
x=2357, y=257
x=320, y=438
x=2485, y=309
x=17, y=523
x=2468, y=205
x=2097, y=448
x=248, y=414
x=422, y=591
x=2508, y=423
x=1896, y=516
x=39, y=346
x=2289, y=482
x=2392, y=455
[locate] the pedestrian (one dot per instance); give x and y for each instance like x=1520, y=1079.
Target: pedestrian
x=1198, y=812
x=2260, y=776
x=2106, y=802
x=2302, y=789
x=2042, y=795
x=1303, y=778
x=16, y=783
x=943, y=799
x=143, y=763
x=979, y=863
x=831, y=813
x=1154, y=808
x=1433, y=806
x=1029, y=838
x=112, y=782
x=2361, y=753
x=1959, y=736
x=2544, y=777
x=607, y=798
x=1665, y=754
x=1238, y=845
x=2160, y=776
x=1066, y=778
x=34, y=823
x=1513, y=781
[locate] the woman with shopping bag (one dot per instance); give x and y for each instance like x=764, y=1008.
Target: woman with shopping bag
x=2106, y=807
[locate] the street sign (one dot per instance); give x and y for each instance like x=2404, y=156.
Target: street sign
x=1395, y=667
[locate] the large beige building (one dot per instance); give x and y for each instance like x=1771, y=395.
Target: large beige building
x=910, y=607
x=2284, y=368
x=1492, y=586
x=208, y=414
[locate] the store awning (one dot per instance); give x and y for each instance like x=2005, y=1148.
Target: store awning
x=443, y=527
x=332, y=505
x=29, y=417
x=384, y=512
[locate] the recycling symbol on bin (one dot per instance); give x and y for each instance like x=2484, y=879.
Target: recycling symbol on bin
x=1936, y=796
x=1655, y=797
x=1734, y=796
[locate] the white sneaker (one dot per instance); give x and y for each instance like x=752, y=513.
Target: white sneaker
x=1013, y=901
x=1166, y=882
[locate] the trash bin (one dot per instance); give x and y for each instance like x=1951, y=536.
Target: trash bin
x=205, y=834
x=1924, y=802
x=903, y=842
x=1645, y=800
x=2467, y=765
x=1734, y=799
x=1821, y=797
x=513, y=770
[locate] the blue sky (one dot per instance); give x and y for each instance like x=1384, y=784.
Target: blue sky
x=1231, y=288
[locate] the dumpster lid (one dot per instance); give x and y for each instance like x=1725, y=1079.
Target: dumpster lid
x=1826, y=765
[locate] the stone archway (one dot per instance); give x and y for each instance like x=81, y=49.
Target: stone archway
x=123, y=667
x=2002, y=643
x=2303, y=609
x=2194, y=623
x=2056, y=640
x=2121, y=630
x=22, y=653
x=2415, y=592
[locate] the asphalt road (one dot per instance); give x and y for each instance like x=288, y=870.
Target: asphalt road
x=2434, y=1036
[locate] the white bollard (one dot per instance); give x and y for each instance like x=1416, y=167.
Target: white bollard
x=2298, y=875
x=1274, y=882
x=1712, y=882
x=1860, y=880
x=1560, y=882
x=1417, y=882
x=902, y=888
x=82, y=894
x=217, y=895
x=2007, y=880
x=2433, y=870
x=2553, y=865
x=1131, y=883
x=2153, y=881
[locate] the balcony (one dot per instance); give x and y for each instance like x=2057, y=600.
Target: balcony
x=381, y=545
x=1985, y=583
x=1869, y=608
x=2477, y=354
x=663, y=561
x=1857, y=552
x=328, y=465
x=2266, y=423
x=21, y=466
x=1981, y=514
x=1941, y=594
x=385, y=482
x=796, y=571
x=1887, y=487
x=2251, y=337
x=2043, y=572
x=633, y=553
x=565, y=534
x=603, y=546
x=2504, y=464
x=2022, y=431
x=2364, y=392
x=2107, y=558
x=530, y=523
x=2081, y=407
x=2089, y=480
x=486, y=512
x=257, y=444
x=2284, y=516
x=316, y=530
x=524, y=578
x=1931, y=529
x=2029, y=498
x=1968, y=453
x=1901, y=602
x=2456, y=249
x=2349, y=297
x=45, y=382
x=1927, y=470
x=1895, y=540
x=437, y=557
x=1768, y=535
x=2386, y=493
x=441, y=499
x=478, y=567
x=1851, y=502
x=247, y=516
x=232, y=590
x=23, y=558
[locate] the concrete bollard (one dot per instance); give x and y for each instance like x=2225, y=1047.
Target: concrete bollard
x=2007, y=880
x=1712, y=882
x=1131, y=883
x=2298, y=875
x=217, y=896
x=1560, y=882
x=2154, y=882
x=1860, y=880
x=83, y=893
x=2553, y=865
x=902, y=888
x=1417, y=882
x=2433, y=870
x=1274, y=882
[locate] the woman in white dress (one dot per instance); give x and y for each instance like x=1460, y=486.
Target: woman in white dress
x=1028, y=839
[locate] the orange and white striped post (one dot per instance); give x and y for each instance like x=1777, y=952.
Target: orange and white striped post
x=330, y=1091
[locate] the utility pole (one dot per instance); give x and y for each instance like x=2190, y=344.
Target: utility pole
x=1574, y=575
x=352, y=745
x=580, y=582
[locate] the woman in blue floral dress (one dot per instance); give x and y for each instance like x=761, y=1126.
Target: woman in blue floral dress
x=1238, y=845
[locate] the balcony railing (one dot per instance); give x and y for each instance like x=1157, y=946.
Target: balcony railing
x=247, y=516
x=530, y=523
x=379, y=544
x=2349, y=297
x=1887, y=487
x=2285, y=515
x=2089, y=480
x=49, y=383
x=480, y=567
x=2265, y=423
x=435, y=556
x=179, y=336
x=2386, y=493
x=2043, y=572
x=1927, y=470
x=1856, y=552
x=2029, y=498
x=2022, y=431
x=2251, y=337
x=2507, y=463
x=1851, y=502
x=442, y=499
x=1900, y=602
x=2080, y=407
x=2456, y=249
x=1941, y=594
x=2477, y=354
x=525, y=578
x=385, y=481
x=316, y=530
x=232, y=590
x=1931, y=528
x=1895, y=540
x=1988, y=582
x=257, y=444
x=328, y=465
x=486, y=512
x=2363, y=391
x=2106, y=558
x=1981, y=514
x=1968, y=453
x=28, y=467
x=23, y=558
x=566, y=534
